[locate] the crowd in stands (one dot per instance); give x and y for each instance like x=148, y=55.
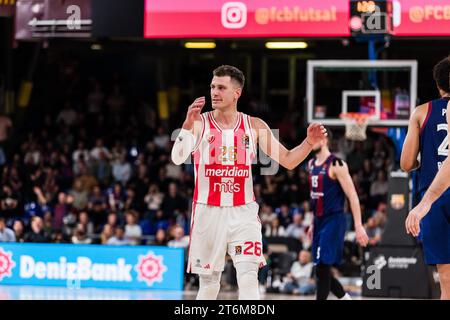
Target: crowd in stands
x=95, y=169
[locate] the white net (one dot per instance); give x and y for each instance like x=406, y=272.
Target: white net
x=355, y=128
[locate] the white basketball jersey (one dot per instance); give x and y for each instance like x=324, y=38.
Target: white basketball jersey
x=222, y=161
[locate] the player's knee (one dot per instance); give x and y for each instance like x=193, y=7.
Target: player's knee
x=247, y=277
x=209, y=286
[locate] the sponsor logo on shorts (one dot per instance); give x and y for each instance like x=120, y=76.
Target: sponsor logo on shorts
x=207, y=266
x=238, y=250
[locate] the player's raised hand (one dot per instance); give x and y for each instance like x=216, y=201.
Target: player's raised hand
x=194, y=110
x=361, y=236
x=316, y=133
x=412, y=222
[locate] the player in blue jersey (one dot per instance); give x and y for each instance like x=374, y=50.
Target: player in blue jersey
x=427, y=136
x=330, y=183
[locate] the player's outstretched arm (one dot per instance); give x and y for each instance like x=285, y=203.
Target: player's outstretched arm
x=408, y=159
x=190, y=132
x=440, y=184
x=340, y=170
x=274, y=149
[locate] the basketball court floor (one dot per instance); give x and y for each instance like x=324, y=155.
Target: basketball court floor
x=10, y=292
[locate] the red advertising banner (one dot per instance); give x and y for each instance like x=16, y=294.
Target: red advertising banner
x=246, y=18
x=421, y=18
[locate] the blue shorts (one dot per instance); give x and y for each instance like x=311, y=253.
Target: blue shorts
x=328, y=239
x=435, y=231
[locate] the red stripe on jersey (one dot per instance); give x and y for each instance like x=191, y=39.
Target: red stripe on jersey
x=319, y=205
x=241, y=154
x=430, y=108
x=215, y=161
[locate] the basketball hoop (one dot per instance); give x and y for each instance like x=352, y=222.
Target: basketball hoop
x=355, y=125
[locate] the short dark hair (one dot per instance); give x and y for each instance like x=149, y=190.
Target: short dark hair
x=233, y=72
x=441, y=74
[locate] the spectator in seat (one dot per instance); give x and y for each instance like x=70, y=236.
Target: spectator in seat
x=133, y=231
x=160, y=238
x=19, y=231
x=119, y=238
x=275, y=229
x=37, y=233
x=373, y=231
x=80, y=236
x=106, y=234
x=299, y=280
x=179, y=241
x=6, y=234
x=296, y=229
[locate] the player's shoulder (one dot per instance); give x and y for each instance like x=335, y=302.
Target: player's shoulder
x=337, y=162
x=257, y=123
x=420, y=112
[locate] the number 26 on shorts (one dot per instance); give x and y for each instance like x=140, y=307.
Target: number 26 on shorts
x=252, y=248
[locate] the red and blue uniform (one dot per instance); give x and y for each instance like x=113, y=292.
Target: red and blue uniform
x=327, y=203
x=435, y=226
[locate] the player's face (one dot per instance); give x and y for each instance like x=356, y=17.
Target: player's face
x=224, y=92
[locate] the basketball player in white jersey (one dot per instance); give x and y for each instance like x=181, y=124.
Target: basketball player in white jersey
x=224, y=212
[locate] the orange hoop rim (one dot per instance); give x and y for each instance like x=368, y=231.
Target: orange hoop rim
x=357, y=116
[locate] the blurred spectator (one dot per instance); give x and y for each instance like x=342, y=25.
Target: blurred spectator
x=284, y=215
x=67, y=116
x=121, y=170
x=299, y=280
x=162, y=138
x=80, y=153
x=60, y=210
x=153, y=198
x=80, y=236
x=106, y=234
x=83, y=219
x=99, y=147
x=160, y=238
x=19, y=230
x=296, y=229
x=133, y=231
x=6, y=234
x=95, y=99
x=379, y=189
x=116, y=198
x=48, y=224
x=112, y=220
x=36, y=234
x=173, y=202
x=69, y=223
x=118, y=238
x=78, y=196
x=101, y=169
x=373, y=231
x=97, y=206
x=8, y=202
x=275, y=229
x=179, y=241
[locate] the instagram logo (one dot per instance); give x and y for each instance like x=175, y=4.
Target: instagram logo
x=234, y=15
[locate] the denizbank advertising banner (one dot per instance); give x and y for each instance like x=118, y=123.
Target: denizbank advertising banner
x=98, y=266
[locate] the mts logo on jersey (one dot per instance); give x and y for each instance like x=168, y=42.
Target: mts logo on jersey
x=227, y=186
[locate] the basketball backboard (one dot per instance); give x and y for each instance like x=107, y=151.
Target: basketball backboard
x=386, y=89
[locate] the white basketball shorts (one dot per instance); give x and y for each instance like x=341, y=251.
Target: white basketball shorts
x=218, y=230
